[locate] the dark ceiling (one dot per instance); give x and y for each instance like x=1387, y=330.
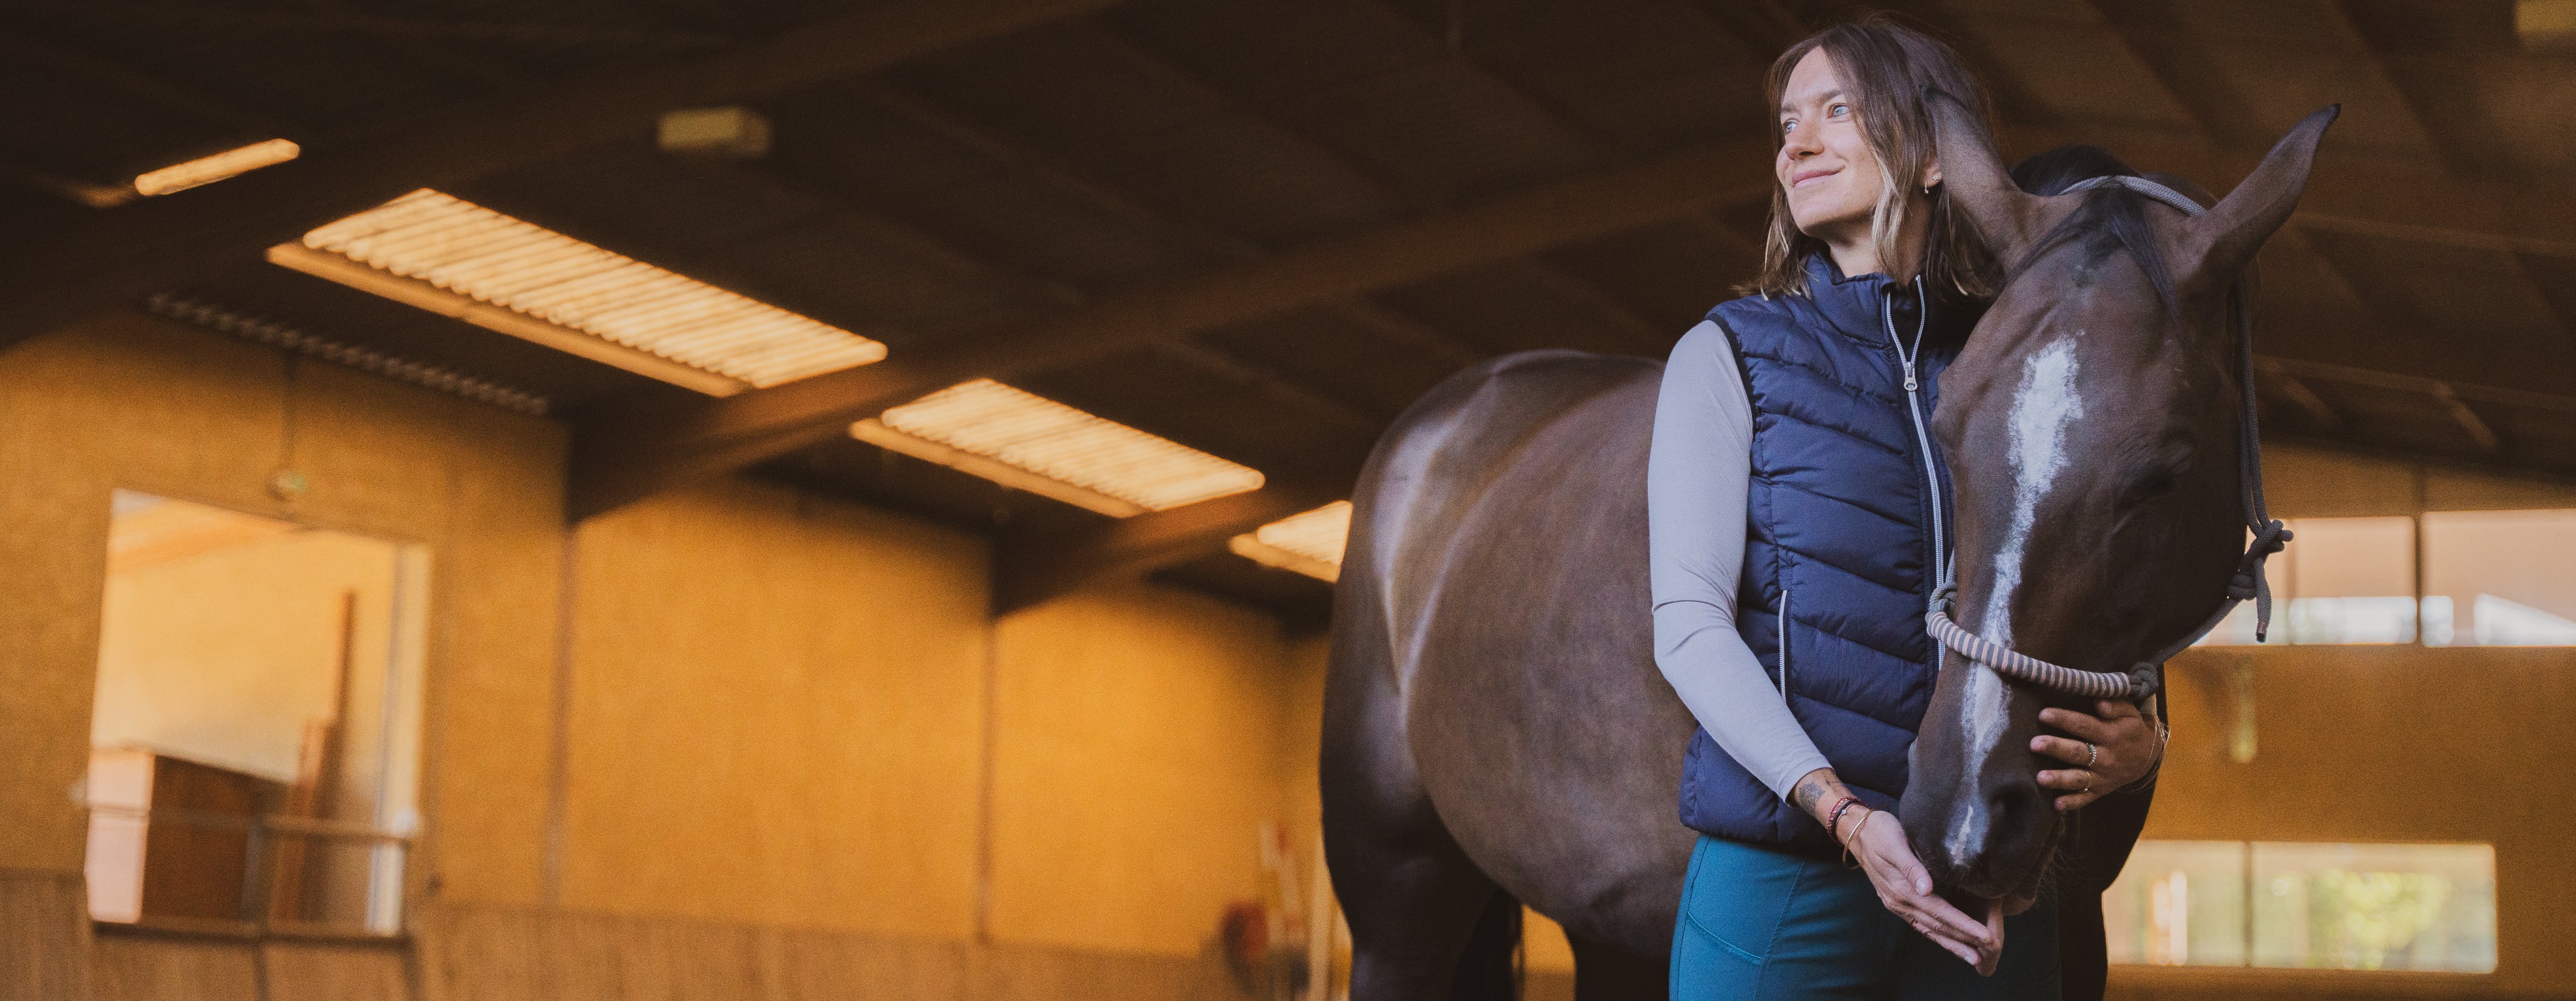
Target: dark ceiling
x=1259, y=227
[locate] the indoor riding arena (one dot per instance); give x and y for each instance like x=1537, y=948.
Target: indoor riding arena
x=663, y=500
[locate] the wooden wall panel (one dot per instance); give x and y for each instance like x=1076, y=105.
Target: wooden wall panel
x=1140, y=735
x=130, y=400
x=306, y=971
x=2393, y=744
x=156, y=969
x=776, y=715
x=44, y=936
x=489, y=954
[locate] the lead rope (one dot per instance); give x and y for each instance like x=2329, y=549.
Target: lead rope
x=2248, y=583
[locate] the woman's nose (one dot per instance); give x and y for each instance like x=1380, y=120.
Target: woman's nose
x=1800, y=142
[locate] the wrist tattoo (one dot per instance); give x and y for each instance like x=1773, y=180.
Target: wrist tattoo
x=1814, y=791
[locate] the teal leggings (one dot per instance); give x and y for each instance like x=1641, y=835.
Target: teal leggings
x=1759, y=924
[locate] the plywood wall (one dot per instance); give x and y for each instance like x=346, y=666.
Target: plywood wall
x=776, y=715
x=128, y=400
x=1140, y=756
x=2397, y=743
x=783, y=719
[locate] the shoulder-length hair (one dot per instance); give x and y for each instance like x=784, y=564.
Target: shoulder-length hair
x=1884, y=66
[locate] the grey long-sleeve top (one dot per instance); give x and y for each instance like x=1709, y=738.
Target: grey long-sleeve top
x=1699, y=466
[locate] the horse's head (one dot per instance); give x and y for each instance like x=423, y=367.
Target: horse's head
x=2092, y=427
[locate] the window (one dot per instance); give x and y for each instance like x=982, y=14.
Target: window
x=2490, y=578
x=255, y=741
x=2500, y=578
x=2305, y=905
x=2342, y=580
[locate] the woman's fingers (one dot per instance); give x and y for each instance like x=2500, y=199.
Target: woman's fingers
x=1952, y=920
x=2081, y=790
x=2070, y=751
x=2083, y=725
x=2113, y=709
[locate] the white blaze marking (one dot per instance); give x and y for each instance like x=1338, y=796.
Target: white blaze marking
x=2042, y=408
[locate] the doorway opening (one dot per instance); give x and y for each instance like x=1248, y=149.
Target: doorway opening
x=255, y=741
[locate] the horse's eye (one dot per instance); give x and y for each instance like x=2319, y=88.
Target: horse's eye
x=2153, y=483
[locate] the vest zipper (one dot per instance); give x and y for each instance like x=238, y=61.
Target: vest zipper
x=1914, y=408
x=1784, y=642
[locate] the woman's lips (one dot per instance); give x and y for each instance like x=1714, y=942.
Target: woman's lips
x=1800, y=179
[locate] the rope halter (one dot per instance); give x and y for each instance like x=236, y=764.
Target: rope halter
x=2248, y=583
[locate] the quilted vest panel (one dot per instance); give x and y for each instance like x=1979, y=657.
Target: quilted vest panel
x=1838, y=553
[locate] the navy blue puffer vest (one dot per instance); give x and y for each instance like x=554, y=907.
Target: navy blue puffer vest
x=1838, y=559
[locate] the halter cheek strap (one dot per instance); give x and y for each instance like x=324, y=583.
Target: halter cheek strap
x=2248, y=583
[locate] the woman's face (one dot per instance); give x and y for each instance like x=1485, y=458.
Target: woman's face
x=1825, y=164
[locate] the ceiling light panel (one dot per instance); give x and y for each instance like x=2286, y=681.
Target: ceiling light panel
x=467, y=250
x=1113, y=468
x=1309, y=542
x=209, y=169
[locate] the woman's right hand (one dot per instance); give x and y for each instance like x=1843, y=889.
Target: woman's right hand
x=1880, y=845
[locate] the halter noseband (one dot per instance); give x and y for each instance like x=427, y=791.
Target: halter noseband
x=2248, y=583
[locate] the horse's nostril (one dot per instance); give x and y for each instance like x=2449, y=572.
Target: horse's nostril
x=2015, y=807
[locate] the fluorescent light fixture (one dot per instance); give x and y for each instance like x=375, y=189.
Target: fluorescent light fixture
x=209, y=169
x=1309, y=543
x=459, y=259
x=1028, y=442
x=733, y=133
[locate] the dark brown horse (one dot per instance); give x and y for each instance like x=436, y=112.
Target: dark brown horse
x=1495, y=730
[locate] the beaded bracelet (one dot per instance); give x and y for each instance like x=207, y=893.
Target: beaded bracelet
x=1834, y=817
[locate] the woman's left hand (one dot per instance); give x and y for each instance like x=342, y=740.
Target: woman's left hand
x=2110, y=750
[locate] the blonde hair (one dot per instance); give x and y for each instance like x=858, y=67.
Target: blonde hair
x=1885, y=66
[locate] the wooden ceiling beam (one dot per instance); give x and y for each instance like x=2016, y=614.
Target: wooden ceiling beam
x=1051, y=170
x=2467, y=418
x=144, y=87
x=2339, y=20
x=1558, y=116
x=1765, y=28
x=1408, y=195
x=1405, y=330
x=622, y=457
x=118, y=256
x=1274, y=385
x=1633, y=327
x=2315, y=407
x=2372, y=378
x=1033, y=568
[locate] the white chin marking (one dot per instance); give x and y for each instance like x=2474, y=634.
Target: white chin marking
x=2042, y=409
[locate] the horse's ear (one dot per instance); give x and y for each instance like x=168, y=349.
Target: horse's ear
x=1973, y=173
x=2224, y=240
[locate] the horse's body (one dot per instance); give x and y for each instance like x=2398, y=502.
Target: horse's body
x=1496, y=732
x=1494, y=717
x=1514, y=743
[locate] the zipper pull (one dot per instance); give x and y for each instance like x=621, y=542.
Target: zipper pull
x=1909, y=376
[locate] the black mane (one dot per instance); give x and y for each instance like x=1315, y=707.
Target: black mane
x=2111, y=219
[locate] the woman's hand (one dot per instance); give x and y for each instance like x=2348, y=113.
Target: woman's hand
x=2109, y=751
x=1906, y=890
x=1903, y=887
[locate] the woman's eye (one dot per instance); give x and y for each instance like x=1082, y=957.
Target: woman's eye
x=1788, y=126
x=1839, y=110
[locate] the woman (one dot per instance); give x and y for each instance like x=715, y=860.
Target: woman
x=1791, y=533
